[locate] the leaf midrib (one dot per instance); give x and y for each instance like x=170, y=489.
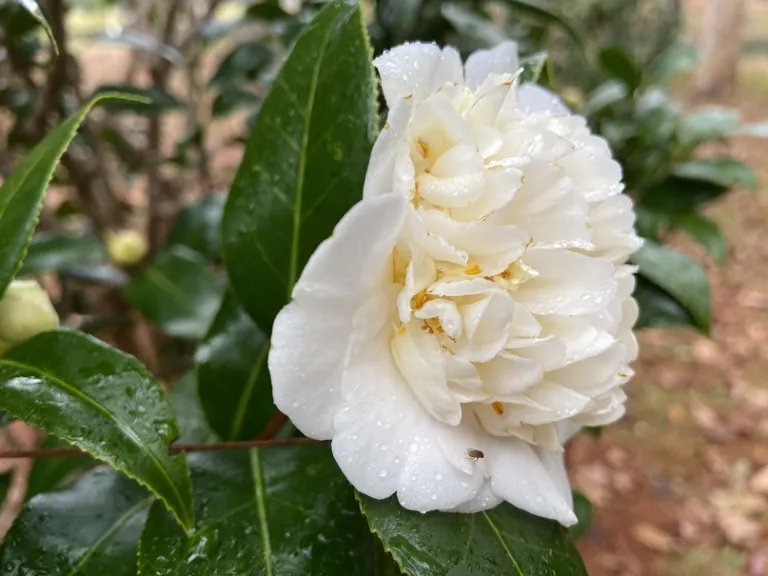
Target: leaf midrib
x=261, y=510
x=122, y=426
x=503, y=544
x=245, y=396
x=119, y=523
x=294, y=262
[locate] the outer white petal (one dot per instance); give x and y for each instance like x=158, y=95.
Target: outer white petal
x=534, y=99
x=503, y=59
x=415, y=69
x=310, y=336
x=385, y=442
x=520, y=477
x=568, y=283
x=390, y=169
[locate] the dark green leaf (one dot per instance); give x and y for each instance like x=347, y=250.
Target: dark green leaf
x=617, y=63
x=721, y=170
x=233, y=379
x=708, y=124
x=677, y=59
x=231, y=98
x=583, y=509
x=32, y=7
x=102, y=401
x=22, y=193
x=55, y=252
x=147, y=102
x=279, y=511
x=533, y=66
x=475, y=30
x=50, y=473
x=90, y=529
x=197, y=226
x=659, y=309
x=189, y=413
x=503, y=540
x=546, y=11
x=678, y=275
x=244, y=62
x=399, y=17
x=178, y=293
x=704, y=232
x=266, y=10
x=676, y=194
x=305, y=161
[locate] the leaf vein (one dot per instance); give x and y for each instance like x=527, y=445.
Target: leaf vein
x=503, y=544
x=261, y=510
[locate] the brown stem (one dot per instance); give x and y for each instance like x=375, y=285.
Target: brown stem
x=273, y=426
x=173, y=449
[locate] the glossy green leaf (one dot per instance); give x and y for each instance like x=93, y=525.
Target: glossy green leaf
x=21, y=195
x=677, y=195
x=245, y=62
x=705, y=233
x=708, y=124
x=547, y=12
x=503, y=540
x=659, y=309
x=55, y=252
x=721, y=170
x=617, y=63
x=475, y=30
x=32, y=7
x=272, y=511
x=89, y=529
x=675, y=60
x=233, y=380
x=232, y=98
x=197, y=226
x=189, y=413
x=178, y=293
x=305, y=162
x=50, y=473
x=399, y=17
x=147, y=101
x=266, y=10
x=678, y=275
x=102, y=401
x=583, y=509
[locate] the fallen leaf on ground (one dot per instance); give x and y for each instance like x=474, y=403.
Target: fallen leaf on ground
x=759, y=481
x=653, y=538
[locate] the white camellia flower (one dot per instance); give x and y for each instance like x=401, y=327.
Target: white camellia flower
x=474, y=309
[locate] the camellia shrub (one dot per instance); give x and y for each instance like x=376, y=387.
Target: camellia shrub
x=369, y=356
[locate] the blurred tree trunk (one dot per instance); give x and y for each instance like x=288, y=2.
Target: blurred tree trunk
x=720, y=48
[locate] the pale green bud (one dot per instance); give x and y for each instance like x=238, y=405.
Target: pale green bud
x=25, y=311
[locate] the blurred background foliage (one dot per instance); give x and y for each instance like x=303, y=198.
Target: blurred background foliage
x=128, y=242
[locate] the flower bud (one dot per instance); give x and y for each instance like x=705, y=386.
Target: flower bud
x=25, y=311
x=126, y=247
